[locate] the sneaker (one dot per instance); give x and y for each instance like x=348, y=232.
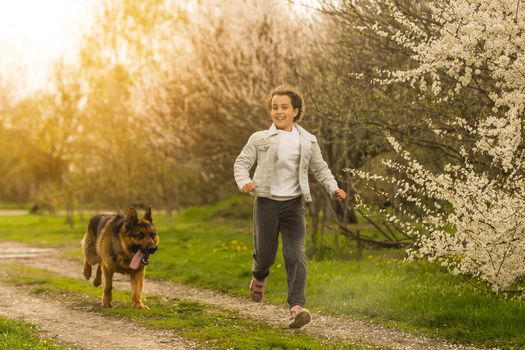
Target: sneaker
x=299, y=316
x=257, y=289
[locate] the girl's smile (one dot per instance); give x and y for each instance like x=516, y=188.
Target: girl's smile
x=282, y=112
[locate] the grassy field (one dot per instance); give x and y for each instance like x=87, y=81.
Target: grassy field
x=14, y=206
x=16, y=335
x=211, y=326
x=211, y=247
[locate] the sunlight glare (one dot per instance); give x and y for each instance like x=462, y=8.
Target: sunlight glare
x=35, y=33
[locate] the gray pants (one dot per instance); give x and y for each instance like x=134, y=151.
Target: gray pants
x=269, y=218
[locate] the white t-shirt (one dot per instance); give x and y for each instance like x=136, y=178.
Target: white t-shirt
x=285, y=181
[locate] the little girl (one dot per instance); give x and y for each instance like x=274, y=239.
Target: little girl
x=284, y=154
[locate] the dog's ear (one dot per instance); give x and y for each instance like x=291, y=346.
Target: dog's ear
x=147, y=215
x=131, y=218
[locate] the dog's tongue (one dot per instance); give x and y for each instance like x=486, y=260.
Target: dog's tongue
x=135, y=262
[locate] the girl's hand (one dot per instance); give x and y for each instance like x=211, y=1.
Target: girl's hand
x=340, y=194
x=249, y=187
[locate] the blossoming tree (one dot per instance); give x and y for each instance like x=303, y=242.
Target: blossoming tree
x=473, y=217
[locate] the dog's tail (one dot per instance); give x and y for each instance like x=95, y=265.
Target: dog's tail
x=89, y=244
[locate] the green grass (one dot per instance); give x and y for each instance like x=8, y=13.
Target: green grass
x=209, y=325
x=14, y=206
x=211, y=247
x=40, y=230
x=18, y=335
x=420, y=297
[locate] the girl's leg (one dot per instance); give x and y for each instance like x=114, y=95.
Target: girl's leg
x=293, y=231
x=265, y=235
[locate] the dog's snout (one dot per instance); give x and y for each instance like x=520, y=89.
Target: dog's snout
x=152, y=249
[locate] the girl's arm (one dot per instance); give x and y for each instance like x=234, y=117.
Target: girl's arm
x=243, y=164
x=322, y=173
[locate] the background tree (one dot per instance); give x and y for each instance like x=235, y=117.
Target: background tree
x=473, y=222
x=239, y=51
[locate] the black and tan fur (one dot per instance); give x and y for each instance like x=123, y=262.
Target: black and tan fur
x=111, y=241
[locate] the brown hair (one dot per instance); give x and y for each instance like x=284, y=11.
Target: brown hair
x=295, y=96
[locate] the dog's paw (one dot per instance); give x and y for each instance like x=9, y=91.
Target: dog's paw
x=106, y=303
x=141, y=306
x=87, y=271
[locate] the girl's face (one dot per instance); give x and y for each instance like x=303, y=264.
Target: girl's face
x=282, y=112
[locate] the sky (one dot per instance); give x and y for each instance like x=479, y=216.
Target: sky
x=35, y=33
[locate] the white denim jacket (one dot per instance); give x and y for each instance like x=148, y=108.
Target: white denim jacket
x=262, y=147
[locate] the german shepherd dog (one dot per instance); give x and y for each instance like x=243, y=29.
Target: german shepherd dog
x=122, y=244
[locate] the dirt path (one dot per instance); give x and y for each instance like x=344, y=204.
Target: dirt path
x=78, y=329
x=13, y=212
x=327, y=326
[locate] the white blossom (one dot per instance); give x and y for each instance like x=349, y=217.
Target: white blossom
x=481, y=230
